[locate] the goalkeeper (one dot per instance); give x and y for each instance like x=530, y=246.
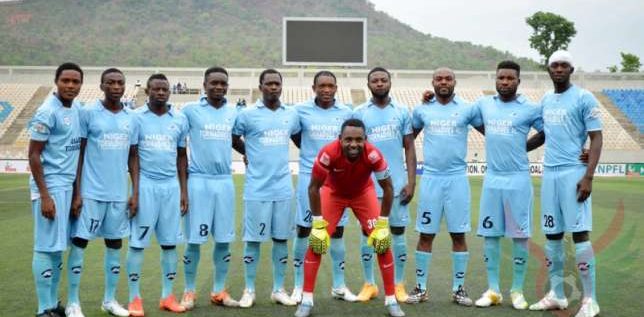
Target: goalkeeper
x=341, y=178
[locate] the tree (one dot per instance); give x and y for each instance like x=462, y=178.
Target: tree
x=630, y=63
x=552, y=32
x=613, y=69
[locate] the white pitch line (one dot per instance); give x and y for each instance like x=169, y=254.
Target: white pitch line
x=13, y=188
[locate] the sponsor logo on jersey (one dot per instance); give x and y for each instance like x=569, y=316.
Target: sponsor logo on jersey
x=373, y=156
x=325, y=159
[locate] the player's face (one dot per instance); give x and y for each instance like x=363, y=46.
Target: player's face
x=444, y=82
x=68, y=84
x=158, y=91
x=216, y=86
x=113, y=85
x=271, y=87
x=560, y=72
x=352, y=139
x=507, y=82
x=325, y=89
x=379, y=84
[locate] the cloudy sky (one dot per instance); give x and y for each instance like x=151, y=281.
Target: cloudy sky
x=604, y=28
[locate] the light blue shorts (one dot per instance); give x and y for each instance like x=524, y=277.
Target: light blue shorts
x=560, y=211
x=268, y=219
x=506, y=206
x=399, y=216
x=159, y=211
x=303, y=216
x=107, y=219
x=444, y=195
x=52, y=235
x=211, y=209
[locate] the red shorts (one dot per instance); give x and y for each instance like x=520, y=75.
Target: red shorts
x=365, y=207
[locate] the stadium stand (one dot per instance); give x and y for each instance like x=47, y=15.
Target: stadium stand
x=5, y=110
x=630, y=102
x=15, y=97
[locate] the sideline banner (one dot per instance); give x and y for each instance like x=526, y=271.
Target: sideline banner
x=473, y=169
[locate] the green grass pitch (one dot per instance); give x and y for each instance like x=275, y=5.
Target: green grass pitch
x=618, y=215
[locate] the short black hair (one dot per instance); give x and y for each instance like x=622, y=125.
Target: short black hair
x=378, y=69
x=109, y=71
x=68, y=66
x=156, y=76
x=353, y=122
x=268, y=71
x=509, y=65
x=214, y=69
x=323, y=73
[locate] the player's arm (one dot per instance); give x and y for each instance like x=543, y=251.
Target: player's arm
x=133, y=167
x=319, y=239
x=387, y=195
x=536, y=141
x=407, y=193
x=297, y=139
x=47, y=208
x=238, y=144
x=77, y=200
x=182, y=168
x=585, y=185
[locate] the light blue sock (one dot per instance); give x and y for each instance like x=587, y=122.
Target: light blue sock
x=42, y=269
x=555, y=262
x=111, y=269
x=520, y=254
x=280, y=259
x=459, y=267
x=134, y=263
x=168, y=270
x=221, y=260
x=74, y=271
x=191, y=257
x=251, y=258
x=366, y=253
x=585, y=257
x=299, y=251
x=492, y=253
x=57, y=265
x=400, y=257
x=423, y=263
x=337, y=252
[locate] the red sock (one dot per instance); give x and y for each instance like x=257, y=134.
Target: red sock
x=311, y=266
x=386, y=264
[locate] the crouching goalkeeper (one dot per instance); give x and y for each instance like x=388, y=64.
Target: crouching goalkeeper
x=341, y=178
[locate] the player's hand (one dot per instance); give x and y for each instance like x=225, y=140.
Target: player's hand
x=427, y=96
x=77, y=204
x=380, y=237
x=184, y=203
x=245, y=159
x=583, y=157
x=584, y=187
x=47, y=207
x=133, y=205
x=319, y=239
x=407, y=194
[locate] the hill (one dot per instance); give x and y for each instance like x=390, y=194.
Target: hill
x=189, y=33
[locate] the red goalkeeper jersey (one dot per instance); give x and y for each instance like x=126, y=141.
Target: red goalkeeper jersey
x=346, y=178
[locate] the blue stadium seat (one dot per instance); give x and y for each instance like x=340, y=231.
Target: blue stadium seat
x=630, y=102
x=5, y=110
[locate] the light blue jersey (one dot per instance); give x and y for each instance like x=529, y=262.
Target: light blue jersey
x=266, y=135
x=386, y=128
x=209, y=134
x=59, y=127
x=158, y=138
x=506, y=130
x=319, y=127
x=108, y=134
x=568, y=117
x=445, y=129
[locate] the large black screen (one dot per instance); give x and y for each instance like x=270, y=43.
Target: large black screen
x=327, y=42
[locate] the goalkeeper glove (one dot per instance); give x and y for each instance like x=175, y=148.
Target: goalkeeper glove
x=380, y=237
x=319, y=239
